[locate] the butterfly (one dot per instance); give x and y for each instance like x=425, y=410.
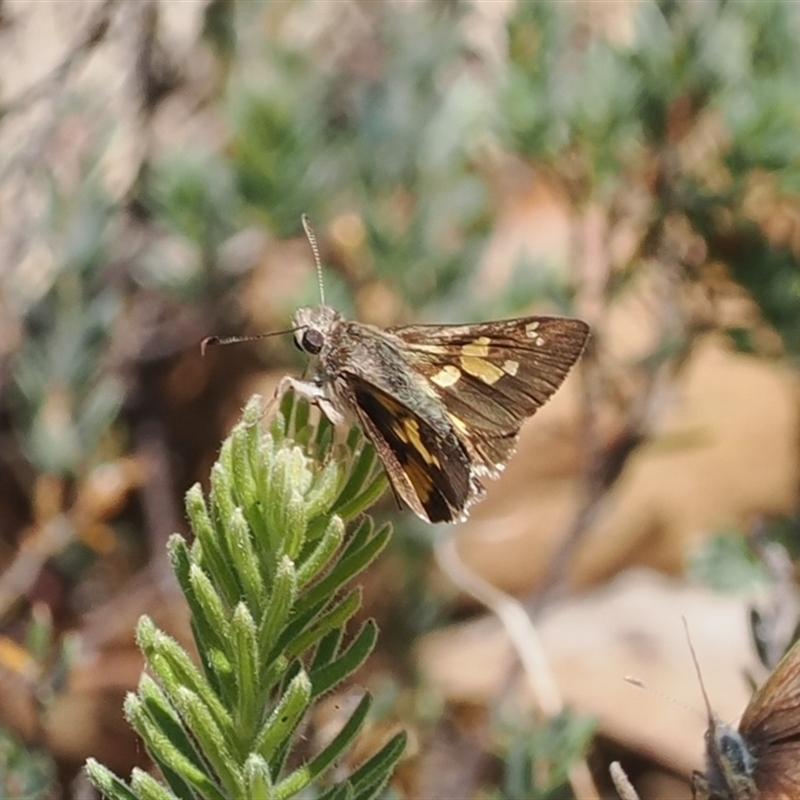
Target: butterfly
x=760, y=760
x=442, y=404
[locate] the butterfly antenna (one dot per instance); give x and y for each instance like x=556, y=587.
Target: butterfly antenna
x=312, y=240
x=219, y=341
x=640, y=684
x=699, y=674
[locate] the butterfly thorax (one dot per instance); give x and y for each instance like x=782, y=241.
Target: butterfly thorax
x=342, y=350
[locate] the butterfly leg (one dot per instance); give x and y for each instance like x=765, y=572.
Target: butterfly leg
x=313, y=393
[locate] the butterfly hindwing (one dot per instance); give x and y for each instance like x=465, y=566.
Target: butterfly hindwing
x=429, y=468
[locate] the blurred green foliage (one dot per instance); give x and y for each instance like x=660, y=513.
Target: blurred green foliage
x=727, y=563
x=64, y=397
x=24, y=773
x=391, y=139
x=689, y=113
x=538, y=759
x=194, y=194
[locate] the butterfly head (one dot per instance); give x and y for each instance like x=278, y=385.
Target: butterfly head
x=312, y=327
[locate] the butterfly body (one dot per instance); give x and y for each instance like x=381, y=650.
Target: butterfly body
x=443, y=404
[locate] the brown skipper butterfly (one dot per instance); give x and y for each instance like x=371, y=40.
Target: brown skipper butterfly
x=442, y=404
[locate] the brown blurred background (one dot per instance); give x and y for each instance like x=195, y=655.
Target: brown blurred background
x=636, y=164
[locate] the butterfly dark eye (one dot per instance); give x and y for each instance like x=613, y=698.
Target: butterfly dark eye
x=312, y=341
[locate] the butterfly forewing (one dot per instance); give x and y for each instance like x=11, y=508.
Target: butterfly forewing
x=773, y=713
x=492, y=376
x=771, y=727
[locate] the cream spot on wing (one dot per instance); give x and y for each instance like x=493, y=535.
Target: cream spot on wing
x=458, y=423
x=482, y=369
x=407, y=430
x=531, y=328
x=400, y=430
x=447, y=376
x=539, y=341
x=510, y=367
x=477, y=349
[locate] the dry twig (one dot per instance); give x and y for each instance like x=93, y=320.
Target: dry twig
x=526, y=642
x=621, y=782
